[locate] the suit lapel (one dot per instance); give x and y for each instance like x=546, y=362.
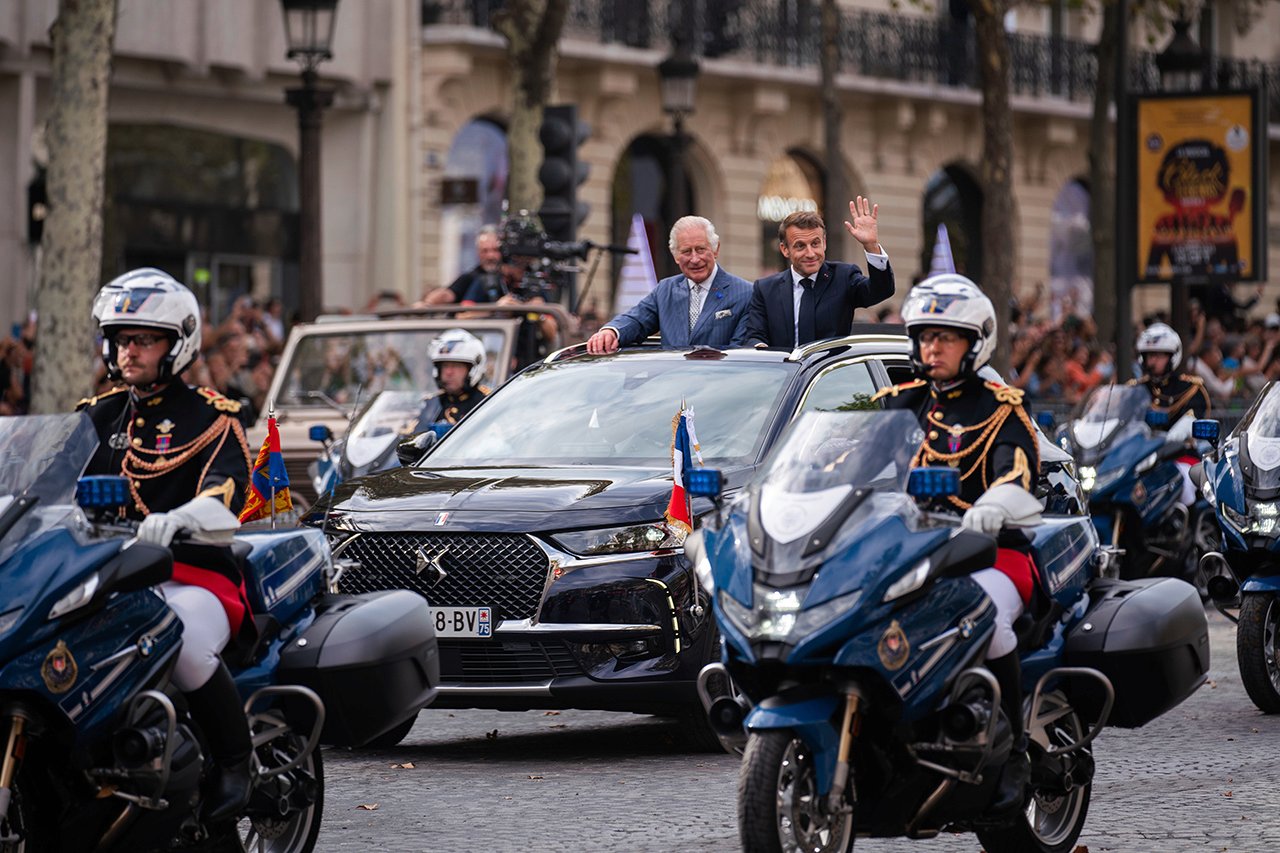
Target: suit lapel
x=679, y=337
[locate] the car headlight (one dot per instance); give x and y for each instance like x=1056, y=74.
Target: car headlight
x=655, y=536
x=77, y=598
x=909, y=582
x=777, y=614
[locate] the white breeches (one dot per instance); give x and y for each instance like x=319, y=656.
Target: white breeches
x=1000, y=589
x=1188, y=496
x=205, y=632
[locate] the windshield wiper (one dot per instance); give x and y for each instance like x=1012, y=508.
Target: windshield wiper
x=13, y=512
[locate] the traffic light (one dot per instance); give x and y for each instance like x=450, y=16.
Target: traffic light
x=562, y=172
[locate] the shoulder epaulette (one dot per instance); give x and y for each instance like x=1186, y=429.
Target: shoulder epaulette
x=219, y=402
x=93, y=401
x=1132, y=382
x=1191, y=378
x=484, y=389
x=894, y=390
x=1005, y=394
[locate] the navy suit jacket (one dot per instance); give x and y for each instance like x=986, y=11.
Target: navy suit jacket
x=721, y=323
x=840, y=289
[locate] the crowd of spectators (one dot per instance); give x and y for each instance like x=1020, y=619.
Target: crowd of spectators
x=1234, y=348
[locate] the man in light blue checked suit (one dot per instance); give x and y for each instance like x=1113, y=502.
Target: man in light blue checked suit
x=703, y=305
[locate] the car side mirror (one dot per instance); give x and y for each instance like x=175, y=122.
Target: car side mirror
x=414, y=447
x=933, y=482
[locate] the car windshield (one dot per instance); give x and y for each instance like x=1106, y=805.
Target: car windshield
x=1108, y=407
x=619, y=411
x=344, y=366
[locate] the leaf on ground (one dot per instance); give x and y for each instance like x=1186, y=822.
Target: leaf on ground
x=535, y=776
x=1227, y=794
x=493, y=735
x=1255, y=731
x=1213, y=685
x=557, y=713
x=560, y=726
x=368, y=807
x=1081, y=848
x=408, y=765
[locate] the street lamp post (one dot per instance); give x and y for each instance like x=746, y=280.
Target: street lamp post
x=679, y=75
x=1181, y=66
x=308, y=26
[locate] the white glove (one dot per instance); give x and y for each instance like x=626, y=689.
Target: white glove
x=208, y=519
x=159, y=528
x=986, y=519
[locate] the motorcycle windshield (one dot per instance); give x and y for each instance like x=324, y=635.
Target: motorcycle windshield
x=824, y=456
x=1110, y=413
x=390, y=416
x=42, y=456
x=1260, y=449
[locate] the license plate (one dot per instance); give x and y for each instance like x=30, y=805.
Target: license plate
x=463, y=621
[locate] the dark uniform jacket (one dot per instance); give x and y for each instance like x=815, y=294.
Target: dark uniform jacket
x=980, y=427
x=175, y=445
x=1177, y=395
x=450, y=408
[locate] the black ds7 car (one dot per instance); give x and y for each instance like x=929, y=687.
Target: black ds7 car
x=535, y=527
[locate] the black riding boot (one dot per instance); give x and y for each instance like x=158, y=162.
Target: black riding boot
x=1016, y=774
x=217, y=708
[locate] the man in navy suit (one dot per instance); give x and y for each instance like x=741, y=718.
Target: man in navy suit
x=815, y=298
x=703, y=305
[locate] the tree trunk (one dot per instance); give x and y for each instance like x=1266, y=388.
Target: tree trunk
x=532, y=30
x=835, y=192
x=999, y=241
x=1102, y=180
x=76, y=134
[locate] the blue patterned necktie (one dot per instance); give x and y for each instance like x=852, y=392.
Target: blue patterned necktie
x=697, y=294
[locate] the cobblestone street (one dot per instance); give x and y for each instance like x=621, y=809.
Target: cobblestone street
x=1203, y=777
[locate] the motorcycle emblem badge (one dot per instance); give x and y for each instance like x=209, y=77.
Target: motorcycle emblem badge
x=59, y=669
x=431, y=566
x=893, y=647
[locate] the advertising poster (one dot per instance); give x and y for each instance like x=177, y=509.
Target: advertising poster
x=1201, y=188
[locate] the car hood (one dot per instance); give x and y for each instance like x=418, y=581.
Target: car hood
x=526, y=499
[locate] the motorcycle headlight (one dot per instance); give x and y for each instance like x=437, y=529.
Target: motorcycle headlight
x=909, y=582
x=1263, y=519
x=1088, y=477
x=777, y=615
x=1148, y=462
x=636, y=538
x=1206, y=489
x=77, y=598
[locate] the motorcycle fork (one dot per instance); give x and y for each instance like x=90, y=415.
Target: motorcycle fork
x=15, y=747
x=848, y=731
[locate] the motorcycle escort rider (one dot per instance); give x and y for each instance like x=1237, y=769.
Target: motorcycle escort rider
x=459, y=360
x=1160, y=352
x=982, y=428
x=185, y=455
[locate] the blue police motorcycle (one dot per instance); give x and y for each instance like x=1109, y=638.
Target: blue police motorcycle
x=1129, y=473
x=100, y=752
x=381, y=437
x=856, y=642
x=1241, y=480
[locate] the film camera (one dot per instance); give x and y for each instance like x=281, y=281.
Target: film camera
x=545, y=263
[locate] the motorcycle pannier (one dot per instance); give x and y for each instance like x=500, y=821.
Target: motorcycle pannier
x=373, y=659
x=1150, y=637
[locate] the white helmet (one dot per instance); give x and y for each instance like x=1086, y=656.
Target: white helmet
x=951, y=300
x=149, y=299
x=1159, y=337
x=462, y=347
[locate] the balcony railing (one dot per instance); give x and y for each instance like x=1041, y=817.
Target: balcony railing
x=882, y=45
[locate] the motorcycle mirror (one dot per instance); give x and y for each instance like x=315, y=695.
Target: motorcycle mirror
x=413, y=448
x=102, y=492
x=939, y=482
x=1156, y=418
x=704, y=482
x=1206, y=429
x=1197, y=475
x=320, y=433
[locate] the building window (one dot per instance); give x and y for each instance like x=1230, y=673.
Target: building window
x=476, y=173
x=953, y=198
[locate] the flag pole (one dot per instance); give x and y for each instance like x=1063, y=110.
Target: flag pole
x=271, y=416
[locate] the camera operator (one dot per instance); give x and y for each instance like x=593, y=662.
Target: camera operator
x=520, y=280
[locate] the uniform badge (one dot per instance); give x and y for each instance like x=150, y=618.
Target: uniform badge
x=165, y=426
x=162, y=443
x=893, y=647
x=59, y=669
x=118, y=441
x=954, y=440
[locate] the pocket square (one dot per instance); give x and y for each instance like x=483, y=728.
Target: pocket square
x=725, y=313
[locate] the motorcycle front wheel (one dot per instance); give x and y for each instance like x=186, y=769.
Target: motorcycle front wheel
x=1256, y=650
x=1053, y=819
x=779, y=807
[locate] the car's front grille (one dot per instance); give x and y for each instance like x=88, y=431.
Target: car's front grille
x=504, y=571
x=505, y=662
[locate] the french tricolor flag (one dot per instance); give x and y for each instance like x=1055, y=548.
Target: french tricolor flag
x=684, y=448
